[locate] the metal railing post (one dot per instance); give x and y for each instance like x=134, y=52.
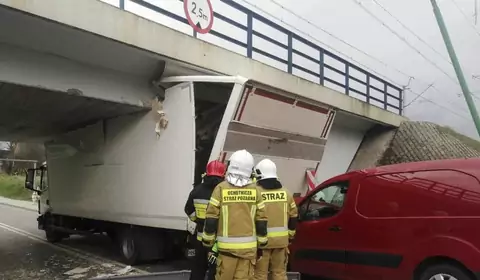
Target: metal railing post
x=290, y=53
x=322, y=69
x=249, y=35
x=347, y=79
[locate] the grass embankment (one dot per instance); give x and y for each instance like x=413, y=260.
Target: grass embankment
x=13, y=187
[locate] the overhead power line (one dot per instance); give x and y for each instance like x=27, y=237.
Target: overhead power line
x=412, y=32
x=322, y=43
x=465, y=17
x=418, y=96
x=340, y=39
x=404, y=40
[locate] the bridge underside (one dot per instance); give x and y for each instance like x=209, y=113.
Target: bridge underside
x=30, y=113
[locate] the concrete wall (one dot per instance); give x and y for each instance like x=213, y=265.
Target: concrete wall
x=107, y=21
x=377, y=140
x=24, y=67
x=342, y=145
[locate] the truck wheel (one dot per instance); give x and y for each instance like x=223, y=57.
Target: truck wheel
x=445, y=272
x=53, y=236
x=129, y=247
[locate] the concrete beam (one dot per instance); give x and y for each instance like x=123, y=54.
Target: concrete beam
x=105, y=20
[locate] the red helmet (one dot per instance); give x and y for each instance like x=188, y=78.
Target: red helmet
x=216, y=168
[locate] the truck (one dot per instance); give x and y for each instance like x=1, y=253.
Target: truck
x=130, y=176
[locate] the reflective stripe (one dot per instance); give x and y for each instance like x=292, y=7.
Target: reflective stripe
x=260, y=205
x=201, y=210
x=245, y=242
x=262, y=239
x=291, y=232
x=225, y=220
x=285, y=212
x=237, y=246
x=201, y=201
x=199, y=236
x=208, y=237
x=243, y=239
x=193, y=216
x=277, y=231
x=293, y=205
x=214, y=201
x=253, y=211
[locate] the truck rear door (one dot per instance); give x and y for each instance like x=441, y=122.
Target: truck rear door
x=283, y=127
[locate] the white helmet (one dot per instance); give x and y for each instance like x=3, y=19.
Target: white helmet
x=240, y=168
x=266, y=169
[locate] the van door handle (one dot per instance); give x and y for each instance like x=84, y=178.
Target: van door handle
x=335, y=228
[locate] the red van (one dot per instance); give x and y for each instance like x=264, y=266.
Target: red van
x=417, y=221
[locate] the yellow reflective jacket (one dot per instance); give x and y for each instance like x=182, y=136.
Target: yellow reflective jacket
x=236, y=219
x=282, y=215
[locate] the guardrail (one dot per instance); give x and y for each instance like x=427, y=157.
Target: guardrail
x=353, y=81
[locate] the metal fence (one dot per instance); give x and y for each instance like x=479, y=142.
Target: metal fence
x=348, y=77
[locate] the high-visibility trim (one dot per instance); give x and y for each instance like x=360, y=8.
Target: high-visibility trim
x=262, y=239
x=199, y=236
x=215, y=202
x=237, y=246
x=201, y=201
x=293, y=205
x=193, y=216
x=225, y=220
x=285, y=214
x=208, y=237
x=253, y=211
x=277, y=231
x=201, y=209
x=260, y=205
x=242, y=239
x=245, y=242
x=291, y=232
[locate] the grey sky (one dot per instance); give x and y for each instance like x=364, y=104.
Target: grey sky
x=392, y=52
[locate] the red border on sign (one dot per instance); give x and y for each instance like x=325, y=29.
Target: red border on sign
x=190, y=21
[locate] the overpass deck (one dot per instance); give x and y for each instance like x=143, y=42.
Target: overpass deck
x=358, y=92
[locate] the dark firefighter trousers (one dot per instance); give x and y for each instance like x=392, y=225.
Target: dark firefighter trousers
x=201, y=265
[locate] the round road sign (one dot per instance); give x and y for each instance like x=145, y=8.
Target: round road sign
x=199, y=14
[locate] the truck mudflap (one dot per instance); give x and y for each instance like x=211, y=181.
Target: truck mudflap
x=178, y=275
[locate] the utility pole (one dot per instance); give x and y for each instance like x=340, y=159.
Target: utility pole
x=456, y=65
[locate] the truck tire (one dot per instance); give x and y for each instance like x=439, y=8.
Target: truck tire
x=445, y=271
x=129, y=247
x=53, y=236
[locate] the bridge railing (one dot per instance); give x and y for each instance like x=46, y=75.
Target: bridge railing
x=328, y=69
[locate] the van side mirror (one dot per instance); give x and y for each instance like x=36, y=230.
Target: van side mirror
x=30, y=179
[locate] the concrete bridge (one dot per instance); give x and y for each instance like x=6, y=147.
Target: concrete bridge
x=65, y=64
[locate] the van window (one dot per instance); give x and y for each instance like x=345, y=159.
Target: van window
x=324, y=203
x=419, y=194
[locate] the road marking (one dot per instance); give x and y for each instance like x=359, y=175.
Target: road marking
x=75, y=252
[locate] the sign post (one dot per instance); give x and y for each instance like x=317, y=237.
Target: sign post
x=199, y=14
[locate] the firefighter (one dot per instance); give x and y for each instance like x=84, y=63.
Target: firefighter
x=236, y=220
x=282, y=219
x=195, y=208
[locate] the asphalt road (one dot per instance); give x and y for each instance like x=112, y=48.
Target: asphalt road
x=25, y=254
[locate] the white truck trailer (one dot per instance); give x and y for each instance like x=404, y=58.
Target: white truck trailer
x=130, y=176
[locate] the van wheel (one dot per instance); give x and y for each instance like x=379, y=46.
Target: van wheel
x=128, y=245
x=444, y=272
